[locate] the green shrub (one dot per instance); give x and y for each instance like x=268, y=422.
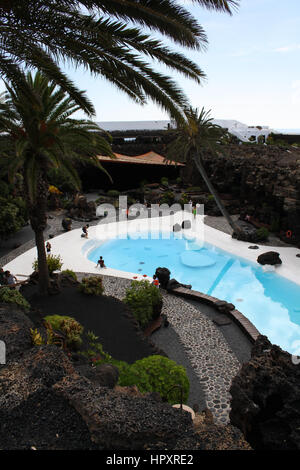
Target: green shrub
x=11, y=220
x=262, y=234
x=142, y=298
x=151, y=374
x=167, y=198
x=4, y=189
x=194, y=188
x=54, y=263
x=113, y=193
x=13, y=296
x=70, y=273
x=70, y=328
x=210, y=197
x=164, y=181
x=183, y=200
x=95, y=350
x=178, y=180
x=92, y=285
x=157, y=374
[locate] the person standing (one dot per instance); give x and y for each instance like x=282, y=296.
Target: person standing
x=48, y=248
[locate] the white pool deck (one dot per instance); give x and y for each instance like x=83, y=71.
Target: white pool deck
x=73, y=249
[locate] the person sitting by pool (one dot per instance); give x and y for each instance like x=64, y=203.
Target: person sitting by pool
x=101, y=263
x=155, y=281
x=85, y=231
x=10, y=278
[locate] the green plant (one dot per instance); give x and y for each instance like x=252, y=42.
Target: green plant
x=92, y=285
x=262, y=234
x=95, y=350
x=70, y=328
x=157, y=374
x=142, y=298
x=70, y=273
x=167, y=198
x=54, y=263
x=13, y=296
x=11, y=219
x=164, y=181
x=36, y=337
x=178, y=180
x=113, y=193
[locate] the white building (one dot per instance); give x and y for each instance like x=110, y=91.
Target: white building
x=240, y=130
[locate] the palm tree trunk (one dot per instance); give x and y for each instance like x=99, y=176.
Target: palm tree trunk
x=37, y=210
x=198, y=162
x=44, y=280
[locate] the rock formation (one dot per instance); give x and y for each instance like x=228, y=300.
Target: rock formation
x=270, y=257
x=48, y=402
x=266, y=399
x=262, y=181
x=82, y=210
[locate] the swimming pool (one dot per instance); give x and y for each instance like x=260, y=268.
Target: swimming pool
x=269, y=301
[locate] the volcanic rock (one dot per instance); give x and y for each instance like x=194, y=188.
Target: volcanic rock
x=265, y=403
x=14, y=330
x=270, y=257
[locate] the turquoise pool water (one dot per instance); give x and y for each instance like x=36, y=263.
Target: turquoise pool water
x=271, y=302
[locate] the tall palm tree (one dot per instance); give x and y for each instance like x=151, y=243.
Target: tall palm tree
x=39, y=134
x=106, y=37
x=194, y=138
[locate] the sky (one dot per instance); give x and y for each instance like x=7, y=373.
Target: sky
x=252, y=67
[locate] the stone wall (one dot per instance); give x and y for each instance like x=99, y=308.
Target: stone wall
x=263, y=181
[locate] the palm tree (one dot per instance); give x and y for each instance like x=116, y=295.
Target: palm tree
x=194, y=138
x=106, y=37
x=38, y=133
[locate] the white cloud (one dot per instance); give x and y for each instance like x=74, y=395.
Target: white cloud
x=289, y=48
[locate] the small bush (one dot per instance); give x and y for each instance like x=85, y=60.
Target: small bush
x=13, y=296
x=54, y=263
x=10, y=218
x=92, y=285
x=36, y=337
x=70, y=273
x=178, y=180
x=262, y=234
x=142, y=298
x=167, y=198
x=164, y=181
x=69, y=327
x=157, y=374
x=113, y=193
